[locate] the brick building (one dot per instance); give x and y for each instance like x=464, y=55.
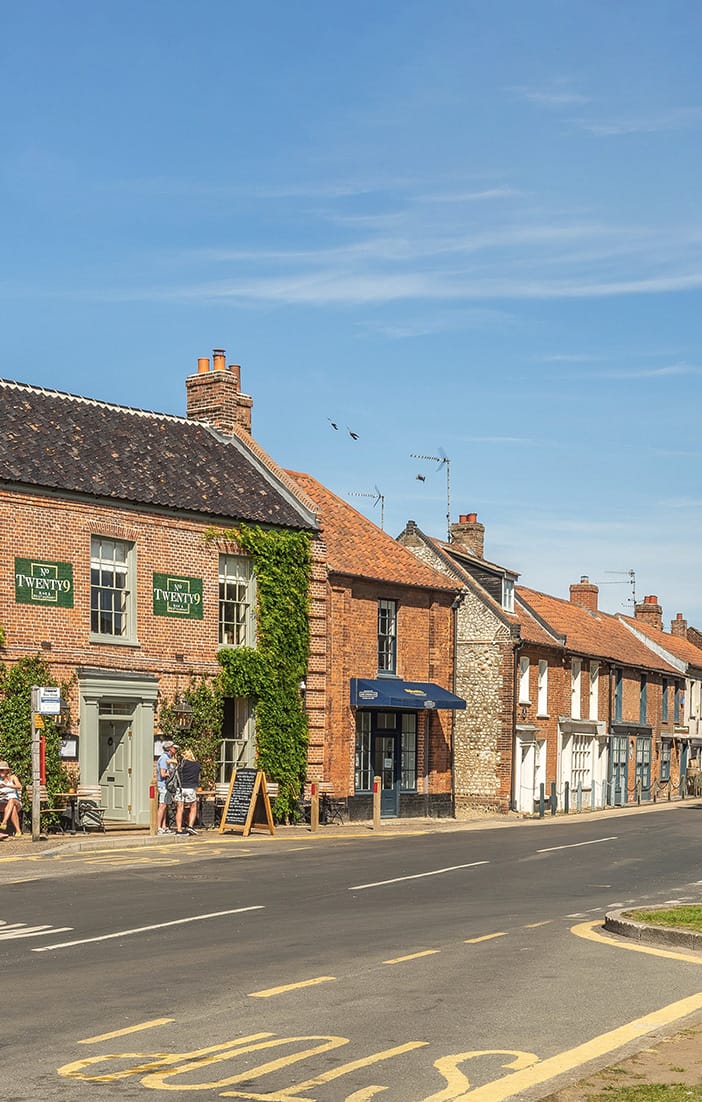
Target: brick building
x=559, y=698
x=387, y=650
x=607, y=697
x=104, y=512
x=679, y=750
x=499, y=749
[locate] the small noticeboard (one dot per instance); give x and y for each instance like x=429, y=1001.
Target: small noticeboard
x=248, y=807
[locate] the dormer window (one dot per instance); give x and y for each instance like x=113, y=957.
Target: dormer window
x=508, y=594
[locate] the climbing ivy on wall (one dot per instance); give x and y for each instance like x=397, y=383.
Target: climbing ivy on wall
x=271, y=673
x=16, y=722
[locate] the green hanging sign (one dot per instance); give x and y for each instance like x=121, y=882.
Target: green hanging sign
x=38, y=582
x=178, y=596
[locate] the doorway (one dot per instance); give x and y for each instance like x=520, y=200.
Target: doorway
x=115, y=766
x=387, y=768
x=618, y=769
x=643, y=766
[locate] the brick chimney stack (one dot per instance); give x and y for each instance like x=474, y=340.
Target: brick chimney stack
x=678, y=626
x=584, y=593
x=214, y=394
x=470, y=533
x=650, y=612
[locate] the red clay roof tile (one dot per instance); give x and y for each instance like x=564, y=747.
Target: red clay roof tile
x=357, y=547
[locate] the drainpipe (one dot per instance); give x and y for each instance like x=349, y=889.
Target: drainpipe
x=515, y=683
x=455, y=606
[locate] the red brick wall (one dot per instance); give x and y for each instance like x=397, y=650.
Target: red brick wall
x=424, y=653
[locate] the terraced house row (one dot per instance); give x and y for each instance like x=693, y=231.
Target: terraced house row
x=420, y=662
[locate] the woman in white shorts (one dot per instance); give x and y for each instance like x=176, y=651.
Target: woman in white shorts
x=189, y=772
x=10, y=802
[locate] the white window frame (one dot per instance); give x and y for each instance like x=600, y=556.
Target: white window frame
x=508, y=594
x=237, y=591
x=387, y=636
x=237, y=750
x=542, y=691
x=524, y=664
x=594, y=702
x=112, y=559
x=576, y=668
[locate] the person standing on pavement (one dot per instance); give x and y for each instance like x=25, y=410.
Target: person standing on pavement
x=10, y=798
x=189, y=771
x=165, y=772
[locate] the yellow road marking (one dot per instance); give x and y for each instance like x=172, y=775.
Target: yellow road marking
x=542, y=1072
x=412, y=956
x=127, y=1029
x=485, y=937
x=533, y=925
x=587, y=931
x=288, y=1093
x=269, y=991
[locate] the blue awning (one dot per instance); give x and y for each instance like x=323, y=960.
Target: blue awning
x=408, y=696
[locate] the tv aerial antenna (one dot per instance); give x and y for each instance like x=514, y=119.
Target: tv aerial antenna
x=443, y=460
x=378, y=498
x=628, y=577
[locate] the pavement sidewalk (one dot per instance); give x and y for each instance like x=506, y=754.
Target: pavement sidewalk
x=134, y=838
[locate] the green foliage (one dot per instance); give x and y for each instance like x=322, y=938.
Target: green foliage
x=687, y=917
x=271, y=674
x=204, y=733
x=16, y=722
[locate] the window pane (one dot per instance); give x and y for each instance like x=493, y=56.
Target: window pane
x=109, y=586
x=238, y=746
x=409, y=752
x=236, y=601
x=364, y=774
x=387, y=631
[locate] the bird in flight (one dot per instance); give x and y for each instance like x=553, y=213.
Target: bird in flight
x=333, y=425
x=353, y=435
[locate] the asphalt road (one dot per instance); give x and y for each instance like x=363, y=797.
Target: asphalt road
x=418, y=969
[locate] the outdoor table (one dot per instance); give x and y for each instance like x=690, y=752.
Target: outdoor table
x=72, y=798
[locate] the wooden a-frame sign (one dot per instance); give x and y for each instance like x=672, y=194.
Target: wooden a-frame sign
x=248, y=807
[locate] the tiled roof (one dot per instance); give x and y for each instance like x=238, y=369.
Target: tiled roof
x=593, y=633
x=530, y=630
x=460, y=552
x=676, y=645
x=63, y=442
x=357, y=547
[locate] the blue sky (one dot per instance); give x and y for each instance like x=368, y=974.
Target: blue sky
x=449, y=226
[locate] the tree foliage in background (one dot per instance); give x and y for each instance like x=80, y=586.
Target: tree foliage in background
x=204, y=732
x=270, y=675
x=16, y=683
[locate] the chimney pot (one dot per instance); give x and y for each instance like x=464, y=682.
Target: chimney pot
x=678, y=626
x=219, y=357
x=470, y=533
x=584, y=593
x=650, y=612
x=203, y=365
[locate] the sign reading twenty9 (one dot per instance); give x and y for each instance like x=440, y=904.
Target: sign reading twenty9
x=177, y=596
x=43, y=583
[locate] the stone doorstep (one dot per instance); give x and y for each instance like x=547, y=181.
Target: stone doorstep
x=616, y=922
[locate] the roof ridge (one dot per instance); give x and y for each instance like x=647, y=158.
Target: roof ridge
x=51, y=392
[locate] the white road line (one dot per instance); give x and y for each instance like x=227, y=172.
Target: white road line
x=144, y=929
x=574, y=845
x=11, y=933
x=416, y=876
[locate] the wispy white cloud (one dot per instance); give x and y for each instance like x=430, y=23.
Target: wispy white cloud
x=675, y=118
x=469, y=196
x=666, y=372
x=549, y=97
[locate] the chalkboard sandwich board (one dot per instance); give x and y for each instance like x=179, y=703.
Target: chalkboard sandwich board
x=247, y=807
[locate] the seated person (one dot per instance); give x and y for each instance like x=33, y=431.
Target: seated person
x=10, y=801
